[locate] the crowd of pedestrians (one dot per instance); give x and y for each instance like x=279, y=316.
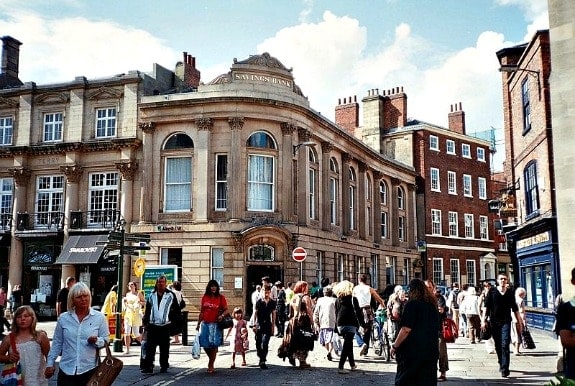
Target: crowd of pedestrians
x=333, y=316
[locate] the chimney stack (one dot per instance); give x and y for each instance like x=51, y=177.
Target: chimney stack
x=456, y=119
x=394, y=108
x=347, y=114
x=187, y=72
x=10, y=61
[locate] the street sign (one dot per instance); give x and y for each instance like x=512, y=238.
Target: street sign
x=299, y=254
x=115, y=236
x=140, y=237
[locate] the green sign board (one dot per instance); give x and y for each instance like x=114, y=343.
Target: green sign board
x=151, y=274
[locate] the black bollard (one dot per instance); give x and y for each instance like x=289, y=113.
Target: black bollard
x=185, y=328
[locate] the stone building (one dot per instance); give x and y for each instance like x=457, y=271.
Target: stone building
x=455, y=237
x=227, y=177
x=241, y=171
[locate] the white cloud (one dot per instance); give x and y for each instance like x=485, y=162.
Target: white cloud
x=50, y=53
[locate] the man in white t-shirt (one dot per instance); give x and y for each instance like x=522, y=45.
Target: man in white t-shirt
x=363, y=293
x=256, y=295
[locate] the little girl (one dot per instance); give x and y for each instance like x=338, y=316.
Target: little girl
x=31, y=347
x=241, y=336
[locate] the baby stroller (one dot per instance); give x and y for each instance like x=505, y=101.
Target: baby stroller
x=379, y=335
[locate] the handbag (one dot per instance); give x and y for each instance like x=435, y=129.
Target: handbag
x=12, y=372
x=527, y=340
x=107, y=370
x=486, y=333
x=196, y=347
x=450, y=331
x=226, y=322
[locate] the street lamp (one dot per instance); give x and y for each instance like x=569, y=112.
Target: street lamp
x=513, y=68
x=306, y=143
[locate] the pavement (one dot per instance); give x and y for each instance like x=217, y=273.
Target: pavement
x=469, y=364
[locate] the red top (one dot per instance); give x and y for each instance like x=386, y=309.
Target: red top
x=212, y=306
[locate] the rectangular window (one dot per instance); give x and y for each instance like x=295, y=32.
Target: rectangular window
x=53, y=127
x=433, y=143
x=482, y=188
x=6, y=193
x=451, y=182
x=483, y=230
x=333, y=200
x=106, y=122
x=374, y=270
x=450, y=144
x=466, y=150
x=221, y=182
x=531, y=189
x=390, y=275
x=217, y=266
x=438, y=271
x=401, y=228
x=49, y=200
x=467, y=185
x=526, y=104
x=340, y=267
x=6, y=130
x=384, y=225
x=103, y=196
x=481, y=154
x=435, y=222
x=469, y=233
x=261, y=182
x=435, y=186
x=178, y=184
x=172, y=256
x=407, y=271
x=471, y=275
x=352, y=207
x=455, y=274
x=453, y=226
x=319, y=270
x=312, y=193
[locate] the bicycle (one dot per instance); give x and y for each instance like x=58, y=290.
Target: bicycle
x=380, y=336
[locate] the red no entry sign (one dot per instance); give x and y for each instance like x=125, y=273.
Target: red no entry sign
x=299, y=254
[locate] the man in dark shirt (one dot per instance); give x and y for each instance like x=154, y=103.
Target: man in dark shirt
x=62, y=296
x=265, y=317
x=499, y=303
x=566, y=329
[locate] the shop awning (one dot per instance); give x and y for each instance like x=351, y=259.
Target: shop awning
x=81, y=249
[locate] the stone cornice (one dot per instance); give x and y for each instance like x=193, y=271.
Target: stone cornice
x=67, y=147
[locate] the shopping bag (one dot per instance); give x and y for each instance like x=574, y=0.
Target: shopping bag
x=196, y=347
x=527, y=340
x=486, y=332
x=450, y=331
x=337, y=345
x=11, y=374
x=107, y=370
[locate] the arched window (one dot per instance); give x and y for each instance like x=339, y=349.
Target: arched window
x=261, y=172
x=352, y=197
x=333, y=190
x=400, y=198
x=261, y=252
x=177, y=152
x=312, y=183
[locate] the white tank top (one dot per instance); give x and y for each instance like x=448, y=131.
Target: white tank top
x=363, y=294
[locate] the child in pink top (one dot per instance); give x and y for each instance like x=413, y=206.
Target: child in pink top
x=241, y=344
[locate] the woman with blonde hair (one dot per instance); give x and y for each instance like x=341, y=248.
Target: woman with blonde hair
x=348, y=313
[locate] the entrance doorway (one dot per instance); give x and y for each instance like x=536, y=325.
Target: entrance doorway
x=254, y=277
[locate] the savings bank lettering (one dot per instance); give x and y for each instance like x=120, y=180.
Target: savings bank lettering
x=263, y=79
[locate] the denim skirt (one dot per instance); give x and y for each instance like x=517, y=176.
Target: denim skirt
x=210, y=335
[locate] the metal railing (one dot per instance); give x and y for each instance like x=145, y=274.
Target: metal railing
x=5, y=222
x=104, y=219
x=40, y=221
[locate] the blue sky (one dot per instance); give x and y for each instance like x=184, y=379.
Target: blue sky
x=440, y=51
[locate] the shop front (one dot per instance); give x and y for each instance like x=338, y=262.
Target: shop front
x=537, y=257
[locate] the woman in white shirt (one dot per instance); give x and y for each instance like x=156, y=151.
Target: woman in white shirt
x=471, y=308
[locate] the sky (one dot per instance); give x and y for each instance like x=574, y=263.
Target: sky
x=441, y=52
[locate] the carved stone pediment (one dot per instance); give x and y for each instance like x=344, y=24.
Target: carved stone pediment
x=52, y=98
x=105, y=93
x=8, y=102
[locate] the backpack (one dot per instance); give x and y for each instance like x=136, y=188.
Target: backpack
x=454, y=300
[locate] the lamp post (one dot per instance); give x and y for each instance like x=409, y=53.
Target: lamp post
x=118, y=337
x=513, y=68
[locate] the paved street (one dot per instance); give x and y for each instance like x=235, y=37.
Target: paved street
x=469, y=365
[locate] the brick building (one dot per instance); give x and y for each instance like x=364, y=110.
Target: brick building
x=531, y=223
x=453, y=183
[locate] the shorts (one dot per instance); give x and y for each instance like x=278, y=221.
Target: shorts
x=326, y=336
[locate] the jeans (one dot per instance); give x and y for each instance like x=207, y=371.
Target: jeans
x=262, y=344
x=347, y=350
x=502, y=338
